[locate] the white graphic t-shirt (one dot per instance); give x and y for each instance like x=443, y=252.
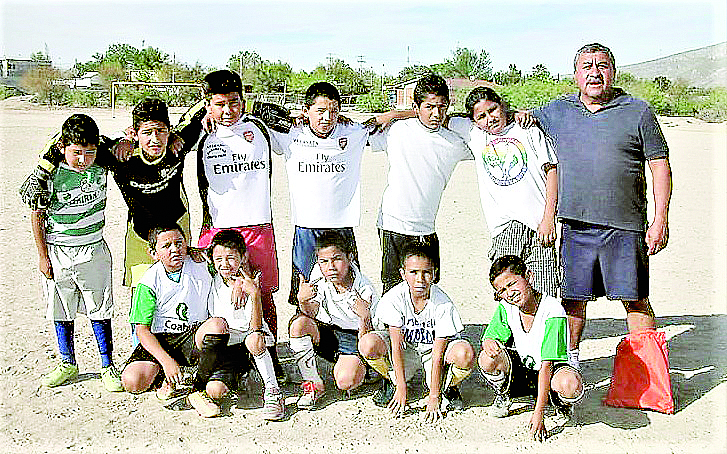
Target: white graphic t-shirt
x=324, y=174
x=439, y=318
x=510, y=172
x=236, y=166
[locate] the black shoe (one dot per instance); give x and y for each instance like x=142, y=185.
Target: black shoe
x=383, y=396
x=452, y=400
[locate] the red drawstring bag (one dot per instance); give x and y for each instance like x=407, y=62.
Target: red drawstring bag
x=641, y=373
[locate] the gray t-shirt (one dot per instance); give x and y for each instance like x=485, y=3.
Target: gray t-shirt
x=601, y=158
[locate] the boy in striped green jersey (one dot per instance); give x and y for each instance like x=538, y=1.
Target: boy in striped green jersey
x=73, y=256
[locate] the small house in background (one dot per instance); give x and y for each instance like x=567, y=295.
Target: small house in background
x=91, y=79
x=403, y=92
x=13, y=69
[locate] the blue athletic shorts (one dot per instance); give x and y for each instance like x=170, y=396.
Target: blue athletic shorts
x=335, y=341
x=603, y=261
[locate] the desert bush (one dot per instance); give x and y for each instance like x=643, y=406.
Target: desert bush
x=373, y=101
x=6, y=92
x=82, y=98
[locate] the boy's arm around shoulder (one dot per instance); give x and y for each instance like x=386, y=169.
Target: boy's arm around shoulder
x=37, y=219
x=35, y=191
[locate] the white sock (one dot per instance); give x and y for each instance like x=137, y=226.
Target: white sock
x=305, y=358
x=573, y=358
x=264, y=363
x=497, y=380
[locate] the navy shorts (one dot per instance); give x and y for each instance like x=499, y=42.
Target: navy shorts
x=603, y=261
x=392, y=247
x=335, y=341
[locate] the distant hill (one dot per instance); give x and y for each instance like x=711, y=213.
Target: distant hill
x=704, y=67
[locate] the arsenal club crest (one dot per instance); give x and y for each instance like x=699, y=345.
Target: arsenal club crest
x=342, y=142
x=248, y=135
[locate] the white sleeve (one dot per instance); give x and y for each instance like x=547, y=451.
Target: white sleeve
x=461, y=126
x=377, y=141
x=448, y=323
x=387, y=312
x=278, y=141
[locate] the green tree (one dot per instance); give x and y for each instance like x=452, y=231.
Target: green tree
x=39, y=56
x=540, y=72
x=413, y=72
x=466, y=63
x=511, y=76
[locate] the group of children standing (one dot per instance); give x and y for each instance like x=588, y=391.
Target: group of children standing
x=218, y=316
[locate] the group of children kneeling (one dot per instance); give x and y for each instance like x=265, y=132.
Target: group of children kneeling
x=186, y=314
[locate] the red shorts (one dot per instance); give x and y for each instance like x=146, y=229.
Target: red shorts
x=260, y=242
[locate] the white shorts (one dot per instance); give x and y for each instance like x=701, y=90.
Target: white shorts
x=414, y=360
x=81, y=282
x=237, y=337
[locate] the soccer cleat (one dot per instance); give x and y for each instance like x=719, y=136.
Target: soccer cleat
x=111, y=379
x=274, y=405
x=205, y=406
x=500, y=408
x=61, y=374
x=451, y=400
x=311, y=393
x=383, y=396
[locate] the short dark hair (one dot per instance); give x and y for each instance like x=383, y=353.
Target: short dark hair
x=416, y=249
x=325, y=89
x=79, y=129
x=430, y=84
x=150, y=109
x=228, y=238
x=511, y=263
x=333, y=238
x=157, y=230
x=480, y=94
x=592, y=49
x=221, y=82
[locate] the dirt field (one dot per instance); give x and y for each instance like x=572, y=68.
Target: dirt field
x=688, y=290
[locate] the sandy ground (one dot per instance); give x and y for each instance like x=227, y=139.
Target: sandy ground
x=688, y=292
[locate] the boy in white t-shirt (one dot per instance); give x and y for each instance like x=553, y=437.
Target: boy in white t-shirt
x=422, y=156
x=535, y=326
x=323, y=162
x=516, y=169
x=169, y=312
x=424, y=331
x=249, y=333
x=335, y=312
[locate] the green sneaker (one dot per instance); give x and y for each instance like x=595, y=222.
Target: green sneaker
x=61, y=374
x=111, y=379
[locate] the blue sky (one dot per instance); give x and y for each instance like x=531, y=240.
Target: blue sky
x=305, y=34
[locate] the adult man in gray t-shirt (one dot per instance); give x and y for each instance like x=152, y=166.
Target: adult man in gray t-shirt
x=603, y=138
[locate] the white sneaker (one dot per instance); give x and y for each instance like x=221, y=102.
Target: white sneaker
x=274, y=405
x=500, y=408
x=311, y=393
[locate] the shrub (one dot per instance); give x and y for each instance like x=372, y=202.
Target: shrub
x=373, y=101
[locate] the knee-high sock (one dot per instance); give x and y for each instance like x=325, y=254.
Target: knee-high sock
x=305, y=358
x=380, y=365
x=102, y=331
x=264, y=364
x=212, y=347
x=64, y=334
